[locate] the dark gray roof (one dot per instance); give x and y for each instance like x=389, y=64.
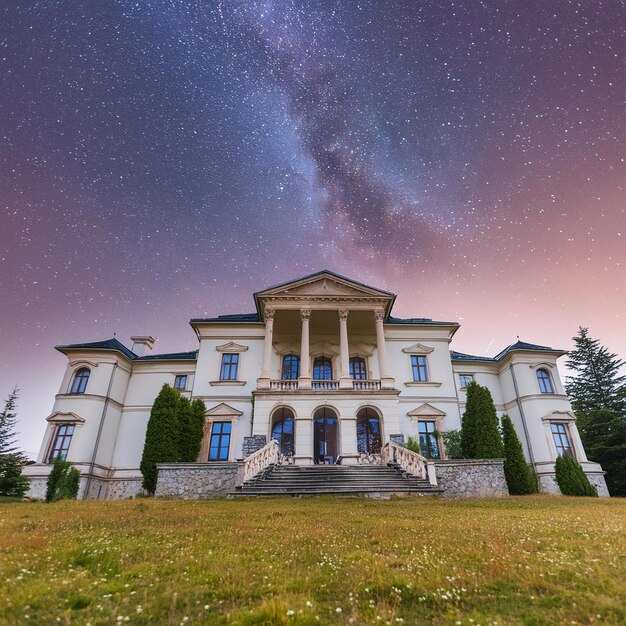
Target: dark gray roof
x=118, y=346
x=234, y=317
x=518, y=345
x=418, y=320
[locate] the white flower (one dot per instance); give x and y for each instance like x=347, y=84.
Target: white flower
x=338, y=609
x=290, y=612
x=309, y=603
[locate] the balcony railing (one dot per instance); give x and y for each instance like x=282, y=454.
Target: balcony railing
x=324, y=385
x=366, y=385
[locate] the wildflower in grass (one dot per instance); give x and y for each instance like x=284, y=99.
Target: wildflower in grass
x=290, y=612
x=338, y=609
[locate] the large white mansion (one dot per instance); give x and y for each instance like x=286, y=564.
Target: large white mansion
x=322, y=367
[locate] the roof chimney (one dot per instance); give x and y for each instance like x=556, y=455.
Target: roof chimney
x=142, y=344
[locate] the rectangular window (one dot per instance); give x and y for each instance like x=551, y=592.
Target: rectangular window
x=561, y=439
x=420, y=371
x=465, y=380
x=220, y=441
x=429, y=443
x=180, y=382
x=229, y=366
x=61, y=442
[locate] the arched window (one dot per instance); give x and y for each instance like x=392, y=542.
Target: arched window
x=79, y=384
x=358, y=370
x=368, y=436
x=545, y=382
x=325, y=436
x=283, y=431
x=291, y=367
x=322, y=368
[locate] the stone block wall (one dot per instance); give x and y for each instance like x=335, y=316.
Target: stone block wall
x=472, y=478
x=548, y=484
x=191, y=481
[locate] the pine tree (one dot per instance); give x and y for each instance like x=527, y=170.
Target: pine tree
x=480, y=435
x=8, y=419
x=190, y=429
x=162, y=439
x=603, y=433
x=597, y=383
x=12, y=483
x=519, y=475
x=571, y=479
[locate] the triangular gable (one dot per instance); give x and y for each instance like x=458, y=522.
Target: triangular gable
x=417, y=348
x=558, y=415
x=61, y=417
x=231, y=346
x=426, y=410
x=222, y=410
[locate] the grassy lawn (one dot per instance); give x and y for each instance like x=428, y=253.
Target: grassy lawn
x=538, y=560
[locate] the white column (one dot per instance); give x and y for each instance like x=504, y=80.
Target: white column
x=345, y=382
x=263, y=382
x=305, y=365
x=386, y=381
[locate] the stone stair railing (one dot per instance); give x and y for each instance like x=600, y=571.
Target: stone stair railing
x=268, y=455
x=409, y=461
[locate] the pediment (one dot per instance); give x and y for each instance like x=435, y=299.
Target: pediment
x=426, y=410
x=558, y=415
x=65, y=417
x=231, y=346
x=324, y=284
x=417, y=348
x=222, y=410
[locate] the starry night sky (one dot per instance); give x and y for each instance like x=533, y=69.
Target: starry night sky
x=161, y=160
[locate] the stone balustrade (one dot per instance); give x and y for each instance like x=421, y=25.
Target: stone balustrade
x=284, y=385
x=409, y=461
x=325, y=385
x=366, y=385
x=268, y=455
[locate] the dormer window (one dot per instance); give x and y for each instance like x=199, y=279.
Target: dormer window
x=79, y=384
x=545, y=381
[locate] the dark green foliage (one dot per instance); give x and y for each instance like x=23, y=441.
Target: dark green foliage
x=519, y=475
x=63, y=481
x=190, y=424
x=12, y=483
x=8, y=419
x=480, y=435
x=452, y=442
x=603, y=433
x=571, y=479
x=161, y=444
x=596, y=383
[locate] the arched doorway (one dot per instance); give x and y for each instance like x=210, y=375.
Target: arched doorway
x=368, y=435
x=325, y=436
x=283, y=430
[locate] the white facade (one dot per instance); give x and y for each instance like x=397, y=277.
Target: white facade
x=362, y=377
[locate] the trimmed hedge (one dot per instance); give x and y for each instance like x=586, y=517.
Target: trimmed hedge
x=571, y=479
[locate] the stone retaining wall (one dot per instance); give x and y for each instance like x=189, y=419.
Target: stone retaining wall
x=191, y=481
x=472, y=478
x=548, y=484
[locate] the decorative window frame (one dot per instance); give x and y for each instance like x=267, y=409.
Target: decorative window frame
x=459, y=374
x=550, y=374
x=229, y=348
x=569, y=420
x=55, y=420
x=428, y=413
x=221, y=412
x=365, y=358
x=76, y=367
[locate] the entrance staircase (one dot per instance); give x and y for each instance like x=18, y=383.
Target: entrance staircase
x=310, y=480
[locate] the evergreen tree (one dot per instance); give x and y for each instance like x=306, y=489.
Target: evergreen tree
x=597, y=383
x=571, y=479
x=12, y=483
x=480, y=435
x=603, y=433
x=519, y=475
x=191, y=429
x=162, y=440
x=63, y=481
x=452, y=442
x=8, y=419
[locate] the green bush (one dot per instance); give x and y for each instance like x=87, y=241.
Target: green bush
x=571, y=479
x=480, y=435
x=63, y=481
x=12, y=483
x=413, y=445
x=190, y=429
x=519, y=475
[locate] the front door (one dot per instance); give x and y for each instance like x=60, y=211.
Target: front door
x=325, y=439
